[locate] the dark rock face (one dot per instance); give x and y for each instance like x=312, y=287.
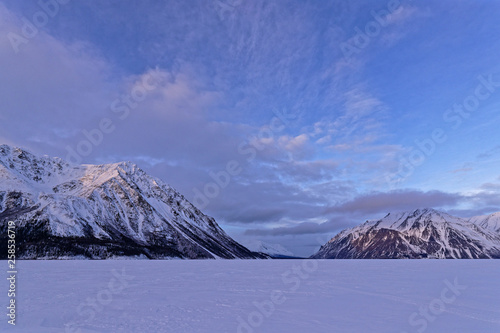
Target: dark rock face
x=424, y=233
x=100, y=211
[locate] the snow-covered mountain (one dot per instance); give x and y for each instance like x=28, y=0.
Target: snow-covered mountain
x=101, y=211
x=423, y=233
x=490, y=222
x=273, y=250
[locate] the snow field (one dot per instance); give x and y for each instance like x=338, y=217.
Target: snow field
x=244, y=296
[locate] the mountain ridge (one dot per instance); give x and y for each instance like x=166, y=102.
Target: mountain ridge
x=102, y=211
x=422, y=233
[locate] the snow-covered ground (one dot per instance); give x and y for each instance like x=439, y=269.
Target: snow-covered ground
x=256, y=296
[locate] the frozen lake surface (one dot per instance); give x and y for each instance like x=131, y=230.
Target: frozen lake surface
x=256, y=296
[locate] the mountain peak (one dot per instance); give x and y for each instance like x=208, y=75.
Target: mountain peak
x=490, y=222
x=425, y=210
x=100, y=211
x=422, y=233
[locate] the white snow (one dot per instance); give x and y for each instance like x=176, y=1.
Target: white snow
x=225, y=296
x=263, y=247
x=416, y=223
x=491, y=222
x=83, y=200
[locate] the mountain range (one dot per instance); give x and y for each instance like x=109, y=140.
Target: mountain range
x=101, y=211
x=62, y=210
x=423, y=233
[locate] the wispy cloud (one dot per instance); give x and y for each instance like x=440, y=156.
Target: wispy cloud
x=304, y=228
x=379, y=202
x=489, y=153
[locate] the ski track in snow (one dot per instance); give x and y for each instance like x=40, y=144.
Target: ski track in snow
x=213, y=295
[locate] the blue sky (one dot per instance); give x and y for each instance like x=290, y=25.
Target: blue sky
x=326, y=112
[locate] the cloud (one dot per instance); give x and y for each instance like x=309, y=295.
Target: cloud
x=490, y=197
x=468, y=213
x=490, y=187
x=304, y=228
x=402, y=14
x=375, y=205
x=401, y=200
x=253, y=200
x=489, y=153
x=485, y=200
x=310, y=171
x=462, y=170
x=54, y=90
x=48, y=87
x=273, y=147
x=359, y=122
x=359, y=104
x=401, y=23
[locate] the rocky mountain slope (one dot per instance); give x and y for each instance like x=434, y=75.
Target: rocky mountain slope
x=423, y=233
x=101, y=211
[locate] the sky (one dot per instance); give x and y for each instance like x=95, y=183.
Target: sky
x=287, y=121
